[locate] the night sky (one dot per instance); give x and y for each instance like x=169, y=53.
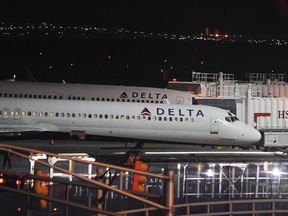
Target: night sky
x=142, y=62
x=181, y=16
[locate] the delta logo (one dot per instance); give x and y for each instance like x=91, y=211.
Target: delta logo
x=124, y=95
x=144, y=95
x=145, y=112
x=174, y=112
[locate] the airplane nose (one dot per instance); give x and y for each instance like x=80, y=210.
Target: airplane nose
x=253, y=135
x=256, y=136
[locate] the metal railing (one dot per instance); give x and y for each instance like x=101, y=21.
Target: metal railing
x=28, y=154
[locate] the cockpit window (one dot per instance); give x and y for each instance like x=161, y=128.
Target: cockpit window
x=231, y=117
x=228, y=119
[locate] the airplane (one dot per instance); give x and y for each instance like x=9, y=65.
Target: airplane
x=70, y=91
x=193, y=124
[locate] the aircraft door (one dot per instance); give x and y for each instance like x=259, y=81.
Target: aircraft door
x=179, y=100
x=17, y=113
x=214, y=128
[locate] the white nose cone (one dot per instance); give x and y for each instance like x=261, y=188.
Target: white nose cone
x=251, y=135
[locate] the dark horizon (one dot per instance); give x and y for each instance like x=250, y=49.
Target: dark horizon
x=179, y=17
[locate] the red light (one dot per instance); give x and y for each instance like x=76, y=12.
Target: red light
x=18, y=182
x=19, y=209
x=2, y=180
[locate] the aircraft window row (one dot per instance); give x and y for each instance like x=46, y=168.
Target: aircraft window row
x=17, y=113
x=41, y=96
x=35, y=96
x=126, y=100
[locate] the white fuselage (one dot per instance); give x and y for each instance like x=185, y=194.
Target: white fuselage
x=45, y=90
x=161, y=122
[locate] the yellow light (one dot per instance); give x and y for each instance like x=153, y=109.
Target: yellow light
x=14, y=76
